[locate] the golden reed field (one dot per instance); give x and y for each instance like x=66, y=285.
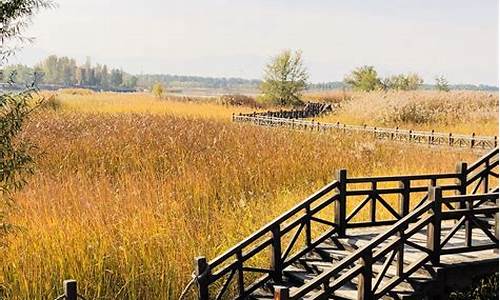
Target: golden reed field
x=129, y=189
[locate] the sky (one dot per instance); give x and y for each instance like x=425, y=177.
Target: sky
x=231, y=38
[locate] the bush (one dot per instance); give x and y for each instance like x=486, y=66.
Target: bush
x=158, y=90
x=364, y=79
x=238, y=100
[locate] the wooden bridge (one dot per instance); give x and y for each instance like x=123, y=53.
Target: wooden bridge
x=393, y=237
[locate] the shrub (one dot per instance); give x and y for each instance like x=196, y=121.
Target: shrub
x=364, y=79
x=158, y=90
x=238, y=100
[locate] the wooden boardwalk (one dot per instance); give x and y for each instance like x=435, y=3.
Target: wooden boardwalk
x=393, y=237
x=395, y=134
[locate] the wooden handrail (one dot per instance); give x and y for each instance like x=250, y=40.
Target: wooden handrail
x=339, y=193
x=434, y=244
x=427, y=137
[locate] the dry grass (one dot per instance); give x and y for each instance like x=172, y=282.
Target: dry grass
x=122, y=202
x=147, y=103
x=458, y=112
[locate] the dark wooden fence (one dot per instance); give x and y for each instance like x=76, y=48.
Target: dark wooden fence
x=310, y=110
x=395, y=134
x=247, y=266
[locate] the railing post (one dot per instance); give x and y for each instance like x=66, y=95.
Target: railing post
x=365, y=277
x=434, y=227
x=202, y=273
x=276, y=263
x=70, y=289
x=404, y=197
x=486, y=179
x=340, y=205
x=400, y=255
x=308, y=225
x=461, y=182
x=496, y=226
x=281, y=292
x=495, y=142
x=373, y=202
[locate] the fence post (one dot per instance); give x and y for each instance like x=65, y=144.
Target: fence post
x=434, y=227
x=450, y=139
x=365, y=277
x=409, y=135
x=281, y=292
x=431, y=137
x=496, y=226
x=70, y=289
x=473, y=141
x=404, y=197
x=202, y=273
x=276, y=263
x=340, y=205
x=495, y=142
x=461, y=182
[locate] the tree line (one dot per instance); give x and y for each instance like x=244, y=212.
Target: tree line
x=64, y=71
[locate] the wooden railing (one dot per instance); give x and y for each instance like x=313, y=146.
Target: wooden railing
x=234, y=263
x=379, y=251
x=310, y=110
x=396, y=134
x=336, y=208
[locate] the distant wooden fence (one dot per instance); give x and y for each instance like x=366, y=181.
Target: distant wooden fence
x=395, y=134
x=310, y=110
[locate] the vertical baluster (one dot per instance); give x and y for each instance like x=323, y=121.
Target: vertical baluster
x=340, y=204
x=461, y=182
x=241, y=278
x=373, y=202
x=401, y=249
x=434, y=227
x=281, y=293
x=469, y=204
x=308, y=225
x=404, y=197
x=202, y=273
x=365, y=277
x=486, y=177
x=496, y=225
x=276, y=262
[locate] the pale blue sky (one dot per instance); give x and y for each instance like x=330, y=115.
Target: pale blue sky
x=456, y=38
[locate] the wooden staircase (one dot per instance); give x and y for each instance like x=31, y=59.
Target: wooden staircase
x=438, y=231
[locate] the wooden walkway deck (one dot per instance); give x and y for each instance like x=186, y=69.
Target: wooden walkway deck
x=455, y=271
x=436, y=233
